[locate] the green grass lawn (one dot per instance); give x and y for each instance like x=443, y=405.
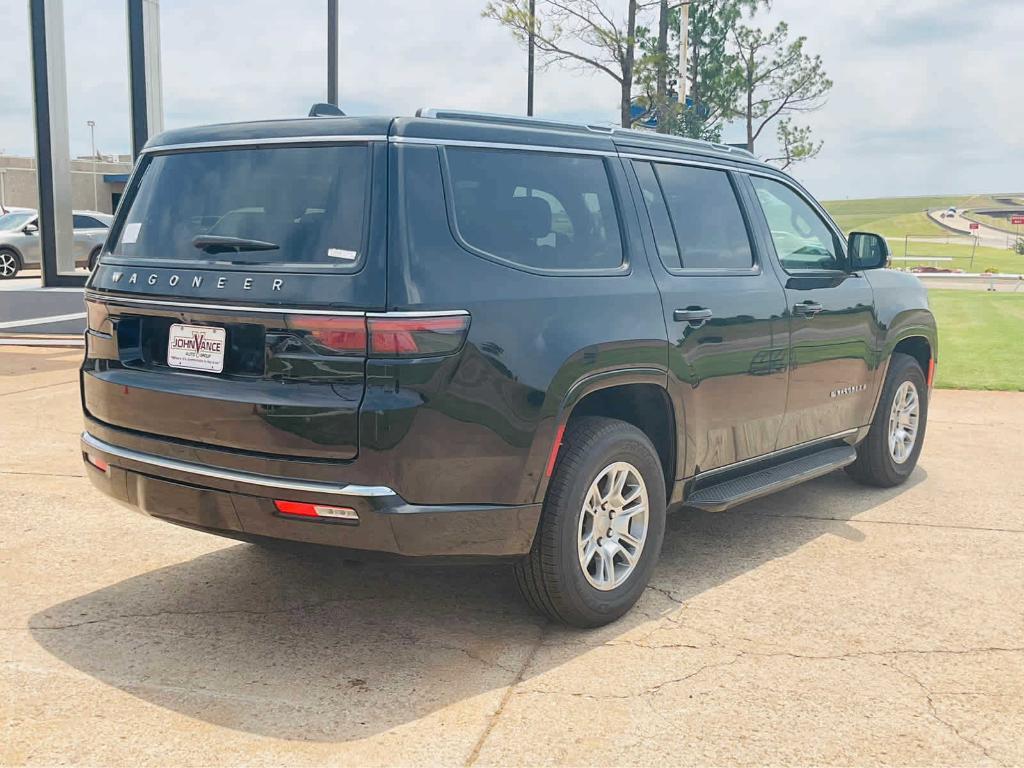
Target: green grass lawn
x=981, y=339
x=899, y=216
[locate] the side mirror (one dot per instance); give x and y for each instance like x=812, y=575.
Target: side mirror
x=868, y=251
x=30, y=229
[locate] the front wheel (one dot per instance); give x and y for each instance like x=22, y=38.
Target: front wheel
x=889, y=453
x=602, y=526
x=9, y=264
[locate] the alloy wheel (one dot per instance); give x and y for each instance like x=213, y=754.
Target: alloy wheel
x=613, y=526
x=8, y=264
x=903, y=422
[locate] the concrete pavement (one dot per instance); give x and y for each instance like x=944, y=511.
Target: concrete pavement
x=830, y=624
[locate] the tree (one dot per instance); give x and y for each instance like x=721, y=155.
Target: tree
x=712, y=78
x=778, y=78
x=577, y=33
x=795, y=144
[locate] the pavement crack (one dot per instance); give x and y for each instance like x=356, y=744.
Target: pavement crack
x=886, y=522
x=474, y=754
x=37, y=474
x=933, y=712
x=212, y=612
x=42, y=386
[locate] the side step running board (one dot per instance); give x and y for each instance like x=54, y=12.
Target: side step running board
x=729, y=493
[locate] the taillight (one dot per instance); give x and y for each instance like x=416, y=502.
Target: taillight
x=416, y=336
x=384, y=335
x=302, y=509
x=333, y=335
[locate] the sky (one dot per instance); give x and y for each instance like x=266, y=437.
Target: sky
x=928, y=95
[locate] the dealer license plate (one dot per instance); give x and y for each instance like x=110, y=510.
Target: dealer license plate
x=197, y=347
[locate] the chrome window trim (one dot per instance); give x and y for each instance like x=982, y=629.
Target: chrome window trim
x=680, y=161
x=501, y=145
x=332, y=139
x=251, y=478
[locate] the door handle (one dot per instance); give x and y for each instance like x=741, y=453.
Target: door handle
x=695, y=317
x=808, y=308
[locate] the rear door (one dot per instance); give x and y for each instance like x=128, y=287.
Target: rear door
x=832, y=318
x=724, y=309
x=231, y=308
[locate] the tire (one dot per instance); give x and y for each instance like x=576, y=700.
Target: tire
x=876, y=463
x=552, y=577
x=10, y=263
x=93, y=257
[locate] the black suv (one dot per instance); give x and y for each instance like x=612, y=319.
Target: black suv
x=470, y=336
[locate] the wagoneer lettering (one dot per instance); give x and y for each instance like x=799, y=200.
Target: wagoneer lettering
x=466, y=337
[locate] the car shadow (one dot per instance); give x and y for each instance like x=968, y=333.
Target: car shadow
x=302, y=645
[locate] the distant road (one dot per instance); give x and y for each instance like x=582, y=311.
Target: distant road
x=987, y=236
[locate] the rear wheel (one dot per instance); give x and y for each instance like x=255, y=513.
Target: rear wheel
x=10, y=264
x=602, y=526
x=889, y=453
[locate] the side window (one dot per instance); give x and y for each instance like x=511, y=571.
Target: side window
x=664, y=237
x=535, y=209
x=705, y=216
x=802, y=240
x=79, y=221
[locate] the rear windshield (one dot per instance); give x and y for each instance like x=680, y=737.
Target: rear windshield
x=292, y=205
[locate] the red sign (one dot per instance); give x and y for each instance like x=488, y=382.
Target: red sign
x=1017, y=219
x=975, y=225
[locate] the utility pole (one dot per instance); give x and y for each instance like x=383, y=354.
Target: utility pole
x=684, y=44
x=332, y=52
x=661, y=107
x=95, y=187
x=529, y=60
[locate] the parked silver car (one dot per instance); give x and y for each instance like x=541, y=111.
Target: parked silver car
x=20, y=243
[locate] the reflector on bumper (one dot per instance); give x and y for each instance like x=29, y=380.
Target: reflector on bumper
x=303, y=509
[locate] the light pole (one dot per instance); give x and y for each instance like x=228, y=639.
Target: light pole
x=95, y=186
x=332, y=52
x=529, y=60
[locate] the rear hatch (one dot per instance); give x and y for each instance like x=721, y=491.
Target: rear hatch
x=229, y=306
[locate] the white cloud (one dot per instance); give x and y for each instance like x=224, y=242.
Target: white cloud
x=927, y=95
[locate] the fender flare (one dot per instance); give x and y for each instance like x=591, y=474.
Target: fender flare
x=548, y=438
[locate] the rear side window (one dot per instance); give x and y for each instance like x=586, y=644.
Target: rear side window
x=533, y=209
x=704, y=217
x=86, y=222
x=293, y=205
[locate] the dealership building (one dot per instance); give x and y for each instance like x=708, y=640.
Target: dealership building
x=96, y=184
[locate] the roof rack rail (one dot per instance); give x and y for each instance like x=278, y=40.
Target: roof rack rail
x=491, y=117
x=668, y=138
x=537, y=122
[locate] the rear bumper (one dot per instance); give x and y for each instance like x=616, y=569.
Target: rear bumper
x=240, y=505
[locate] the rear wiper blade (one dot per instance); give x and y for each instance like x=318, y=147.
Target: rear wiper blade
x=223, y=243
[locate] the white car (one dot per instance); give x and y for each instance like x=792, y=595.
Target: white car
x=20, y=245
